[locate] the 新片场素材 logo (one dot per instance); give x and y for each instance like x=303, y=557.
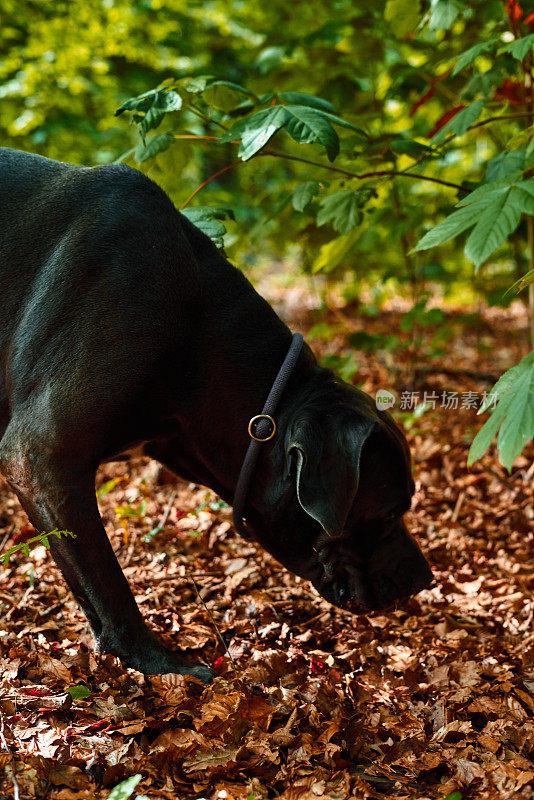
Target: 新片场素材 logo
x=385, y=399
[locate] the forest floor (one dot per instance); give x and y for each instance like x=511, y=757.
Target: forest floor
x=310, y=702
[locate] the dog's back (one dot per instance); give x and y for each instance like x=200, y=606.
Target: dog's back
x=94, y=269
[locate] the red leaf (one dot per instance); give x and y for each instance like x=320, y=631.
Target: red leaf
x=510, y=91
x=448, y=115
x=514, y=10
x=219, y=663
x=429, y=94
x=530, y=19
x=422, y=100
x=25, y=533
x=316, y=665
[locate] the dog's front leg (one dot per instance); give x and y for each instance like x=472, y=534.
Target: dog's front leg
x=54, y=496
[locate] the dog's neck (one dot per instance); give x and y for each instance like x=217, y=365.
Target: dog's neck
x=244, y=343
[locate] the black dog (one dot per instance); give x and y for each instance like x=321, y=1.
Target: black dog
x=122, y=325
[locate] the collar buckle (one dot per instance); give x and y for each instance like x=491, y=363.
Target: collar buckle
x=257, y=426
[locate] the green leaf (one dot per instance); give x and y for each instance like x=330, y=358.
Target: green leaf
x=125, y=789
x=169, y=100
x=345, y=366
x=322, y=331
x=307, y=125
x=521, y=47
x=335, y=120
x=303, y=99
x=225, y=95
x=403, y=16
x=140, y=103
x=342, y=210
x=304, y=125
x=79, y=692
x=258, y=129
x=304, y=194
x=142, y=507
x=473, y=53
x=500, y=218
x=443, y=13
x=513, y=416
x=108, y=486
x=460, y=123
x=410, y=147
x=454, y=796
x=507, y=163
x=197, y=84
x=154, y=146
x=421, y=315
x=493, y=210
x=368, y=342
x=451, y=226
x=333, y=253
x=206, y=219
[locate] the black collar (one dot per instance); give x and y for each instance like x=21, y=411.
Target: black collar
x=261, y=429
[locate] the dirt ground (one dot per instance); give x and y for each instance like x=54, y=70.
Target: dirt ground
x=310, y=702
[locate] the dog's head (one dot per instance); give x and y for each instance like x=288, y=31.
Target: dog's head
x=331, y=496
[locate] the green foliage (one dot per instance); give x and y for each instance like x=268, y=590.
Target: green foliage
x=403, y=15
x=131, y=512
x=409, y=418
x=125, y=789
x=473, y=53
x=443, y=13
x=157, y=144
x=345, y=366
x=493, y=210
x=343, y=210
x=420, y=315
x=513, y=416
x=41, y=538
x=460, y=123
x=303, y=119
x=108, y=486
x=304, y=194
x=207, y=219
x=370, y=342
x=304, y=124
x=79, y=692
x=521, y=47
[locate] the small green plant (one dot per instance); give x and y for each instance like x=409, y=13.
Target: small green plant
x=79, y=692
x=370, y=342
x=108, y=486
x=322, y=331
x=409, y=418
x=125, y=789
x=41, y=538
x=131, y=512
x=345, y=366
x=210, y=505
x=420, y=315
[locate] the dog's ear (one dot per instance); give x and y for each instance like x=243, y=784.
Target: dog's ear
x=327, y=459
